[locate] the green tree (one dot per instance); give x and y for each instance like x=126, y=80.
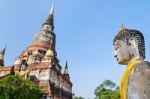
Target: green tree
x=78, y=97
x=107, y=90
x=15, y=87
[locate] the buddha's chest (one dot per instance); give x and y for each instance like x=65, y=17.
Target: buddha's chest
x=132, y=87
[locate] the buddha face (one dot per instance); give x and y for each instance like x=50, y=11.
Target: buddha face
x=122, y=52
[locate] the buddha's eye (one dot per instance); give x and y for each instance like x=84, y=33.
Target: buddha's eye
x=116, y=48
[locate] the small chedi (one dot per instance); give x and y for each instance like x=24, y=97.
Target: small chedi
x=39, y=63
x=130, y=50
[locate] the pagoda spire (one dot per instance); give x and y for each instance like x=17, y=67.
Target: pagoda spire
x=45, y=38
x=2, y=54
x=52, y=8
x=50, y=19
x=3, y=51
x=66, y=69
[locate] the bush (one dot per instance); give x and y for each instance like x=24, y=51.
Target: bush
x=15, y=87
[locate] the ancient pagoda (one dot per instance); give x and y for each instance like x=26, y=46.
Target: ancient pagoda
x=39, y=63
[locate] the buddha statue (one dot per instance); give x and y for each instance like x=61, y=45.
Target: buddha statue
x=130, y=51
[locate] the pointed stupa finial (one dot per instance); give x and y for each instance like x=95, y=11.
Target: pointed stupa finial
x=50, y=20
x=122, y=27
x=66, y=68
x=52, y=8
x=3, y=51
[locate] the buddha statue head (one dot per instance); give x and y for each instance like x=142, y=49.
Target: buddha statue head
x=129, y=45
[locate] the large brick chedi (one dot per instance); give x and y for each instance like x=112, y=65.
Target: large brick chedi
x=39, y=63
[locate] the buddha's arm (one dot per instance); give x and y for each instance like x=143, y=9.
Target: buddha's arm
x=142, y=79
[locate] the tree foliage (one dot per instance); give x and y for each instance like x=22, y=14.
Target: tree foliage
x=75, y=97
x=15, y=87
x=107, y=90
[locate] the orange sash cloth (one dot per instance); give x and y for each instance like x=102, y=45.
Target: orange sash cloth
x=125, y=78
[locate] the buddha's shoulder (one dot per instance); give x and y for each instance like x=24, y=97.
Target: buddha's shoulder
x=143, y=65
x=142, y=69
x=141, y=79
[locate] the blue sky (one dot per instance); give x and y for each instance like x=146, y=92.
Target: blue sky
x=84, y=29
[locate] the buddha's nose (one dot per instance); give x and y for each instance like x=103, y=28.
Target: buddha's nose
x=115, y=54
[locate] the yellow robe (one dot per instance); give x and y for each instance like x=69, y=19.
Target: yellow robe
x=125, y=78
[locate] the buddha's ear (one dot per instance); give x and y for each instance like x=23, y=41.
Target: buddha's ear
x=134, y=46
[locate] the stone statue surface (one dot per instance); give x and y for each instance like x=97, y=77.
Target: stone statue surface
x=130, y=50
